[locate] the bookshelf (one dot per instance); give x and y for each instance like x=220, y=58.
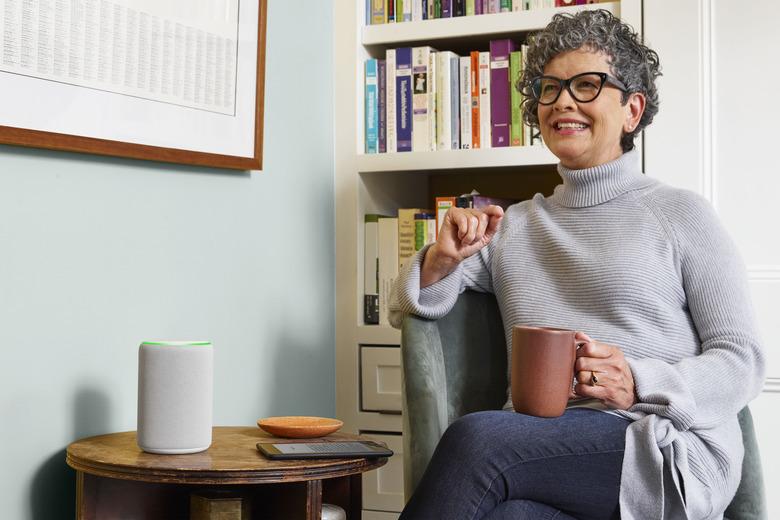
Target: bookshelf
x=383, y=183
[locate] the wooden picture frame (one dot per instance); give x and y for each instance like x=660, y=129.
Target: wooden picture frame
x=44, y=111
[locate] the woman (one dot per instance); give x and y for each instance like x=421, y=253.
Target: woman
x=644, y=271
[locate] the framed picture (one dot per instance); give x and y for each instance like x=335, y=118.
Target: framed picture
x=177, y=80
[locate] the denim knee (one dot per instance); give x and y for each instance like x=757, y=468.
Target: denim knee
x=469, y=432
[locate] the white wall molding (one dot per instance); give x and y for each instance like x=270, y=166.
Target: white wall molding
x=707, y=118
x=772, y=385
x=763, y=273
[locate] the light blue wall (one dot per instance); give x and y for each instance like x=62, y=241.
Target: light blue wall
x=99, y=254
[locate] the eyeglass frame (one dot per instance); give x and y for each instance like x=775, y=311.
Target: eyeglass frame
x=566, y=84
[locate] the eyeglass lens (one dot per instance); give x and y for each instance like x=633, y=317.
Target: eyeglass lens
x=583, y=88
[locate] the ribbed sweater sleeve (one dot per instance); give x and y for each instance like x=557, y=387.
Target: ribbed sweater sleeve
x=703, y=391
x=436, y=300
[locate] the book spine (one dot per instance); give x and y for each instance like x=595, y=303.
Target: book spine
x=371, y=108
x=424, y=230
x=471, y=7
x=493, y=6
x=390, y=11
x=420, y=99
x=485, y=126
x=437, y=8
x=381, y=76
x=443, y=204
x=477, y=6
x=516, y=125
x=465, y=102
x=505, y=6
x=370, y=274
x=392, y=136
x=446, y=8
x=403, y=97
x=431, y=9
x=455, y=102
x=443, y=141
x=432, y=117
x=474, y=87
x=417, y=10
x=499, y=91
x=377, y=12
x=526, y=127
x=517, y=5
x=407, y=10
x=406, y=234
x=458, y=8
x=388, y=264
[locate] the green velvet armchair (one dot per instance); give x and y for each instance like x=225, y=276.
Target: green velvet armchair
x=458, y=365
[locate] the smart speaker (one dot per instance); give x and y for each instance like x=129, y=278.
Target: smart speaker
x=175, y=388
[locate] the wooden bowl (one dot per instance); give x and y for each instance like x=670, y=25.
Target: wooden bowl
x=298, y=427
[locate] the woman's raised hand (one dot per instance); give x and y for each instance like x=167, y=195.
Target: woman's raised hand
x=463, y=233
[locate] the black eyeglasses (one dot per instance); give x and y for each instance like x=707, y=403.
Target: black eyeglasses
x=584, y=87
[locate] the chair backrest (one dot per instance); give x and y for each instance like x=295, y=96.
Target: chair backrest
x=458, y=365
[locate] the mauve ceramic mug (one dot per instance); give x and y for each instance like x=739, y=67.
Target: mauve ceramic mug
x=542, y=369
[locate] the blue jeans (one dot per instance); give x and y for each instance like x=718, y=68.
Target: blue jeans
x=501, y=465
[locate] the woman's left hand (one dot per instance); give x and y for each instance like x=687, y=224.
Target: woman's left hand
x=602, y=373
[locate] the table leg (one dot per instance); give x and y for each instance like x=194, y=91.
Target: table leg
x=345, y=492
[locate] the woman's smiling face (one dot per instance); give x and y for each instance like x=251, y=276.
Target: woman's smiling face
x=583, y=135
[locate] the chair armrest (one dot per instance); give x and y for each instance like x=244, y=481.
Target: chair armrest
x=425, y=413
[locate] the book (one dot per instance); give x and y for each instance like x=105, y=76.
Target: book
x=437, y=8
x=446, y=8
x=387, y=238
x=377, y=12
x=474, y=87
x=371, y=108
x=381, y=76
x=370, y=266
x=405, y=11
x=516, y=122
x=517, y=5
x=422, y=109
x=390, y=11
x=406, y=234
x=485, y=126
x=392, y=133
x=493, y=6
x=403, y=98
x=417, y=10
x=499, y=90
x=465, y=101
x=471, y=7
x=432, y=139
x=443, y=204
x=447, y=102
x=478, y=6
x=424, y=230
x=458, y=8
x=505, y=6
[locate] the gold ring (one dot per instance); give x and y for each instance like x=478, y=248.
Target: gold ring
x=593, y=379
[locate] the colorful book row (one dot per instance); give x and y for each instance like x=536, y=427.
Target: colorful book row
x=397, y=11
x=419, y=99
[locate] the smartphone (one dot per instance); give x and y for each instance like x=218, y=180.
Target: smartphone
x=323, y=450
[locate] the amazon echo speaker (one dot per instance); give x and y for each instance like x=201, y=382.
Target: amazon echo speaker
x=175, y=389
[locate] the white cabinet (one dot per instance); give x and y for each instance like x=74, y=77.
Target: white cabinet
x=383, y=183
x=381, y=379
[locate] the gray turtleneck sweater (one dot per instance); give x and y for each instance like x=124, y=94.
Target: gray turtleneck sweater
x=649, y=268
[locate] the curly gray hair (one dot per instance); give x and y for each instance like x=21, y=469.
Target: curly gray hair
x=633, y=63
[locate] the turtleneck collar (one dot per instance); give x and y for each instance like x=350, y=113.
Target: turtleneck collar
x=601, y=183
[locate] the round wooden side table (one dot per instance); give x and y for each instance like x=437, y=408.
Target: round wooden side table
x=115, y=479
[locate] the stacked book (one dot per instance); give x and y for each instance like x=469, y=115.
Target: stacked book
x=396, y=11
x=418, y=99
x=390, y=241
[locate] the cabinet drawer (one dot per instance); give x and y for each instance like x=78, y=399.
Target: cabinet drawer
x=383, y=488
x=379, y=515
x=380, y=369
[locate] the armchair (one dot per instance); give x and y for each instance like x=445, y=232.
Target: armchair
x=458, y=364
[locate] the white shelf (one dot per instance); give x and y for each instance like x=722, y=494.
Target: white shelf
x=456, y=159
x=378, y=335
x=473, y=26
